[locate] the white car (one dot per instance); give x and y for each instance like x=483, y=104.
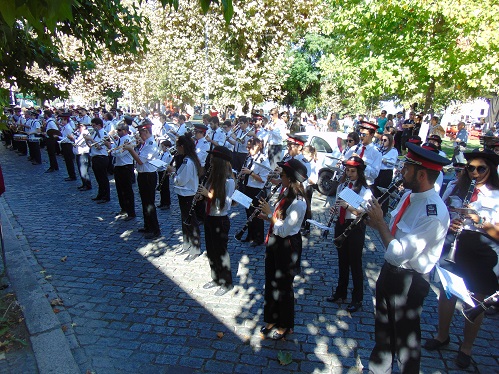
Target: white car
x=329, y=146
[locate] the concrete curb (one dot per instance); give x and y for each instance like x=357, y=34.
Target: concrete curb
x=50, y=346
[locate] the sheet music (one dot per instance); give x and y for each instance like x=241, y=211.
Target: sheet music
x=242, y=199
x=320, y=225
x=351, y=198
x=454, y=285
x=157, y=163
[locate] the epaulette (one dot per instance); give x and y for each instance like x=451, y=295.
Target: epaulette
x=150, y=143
x=305, y=161
x=431, y=209
x=262, y=159
x=300, y=197
x=185, y=161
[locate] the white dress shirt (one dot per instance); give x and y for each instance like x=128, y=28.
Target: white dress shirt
x=148, y=151
x=186, y=180
x=372, y=158
x=97, y=137
x=202, y=148
x=122, y=157
x=291, y=224
x=230, y=186
x=263, y=169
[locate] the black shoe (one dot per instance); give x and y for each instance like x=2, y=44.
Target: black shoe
x=143, y=230
x=30, y=158
x=68, y=179
x=191, y=258
x=152, y=235
x=36, y=163
x=277, y=336
x=265, y=331
x=255, y=244
x=335, y=299
x=85, y=188
x=463, y=360
x=103, y=201
x=353, y=307
x=120, y=213
x=96, y=198
x=434, y=344
x=247, y=240
x=81, y=187
x=305, y=232
x=129, y=218
x=223, y=290
x=49, y=170
x=210, y=284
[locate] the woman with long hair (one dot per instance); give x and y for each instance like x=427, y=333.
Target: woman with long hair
x=388, y=161
x=220, y=187
x=350, y=253
x=283, y=251
x=310, y=154
x=477, y=247
x=186, y=182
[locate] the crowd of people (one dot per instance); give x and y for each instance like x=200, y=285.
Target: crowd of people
x=258, y=156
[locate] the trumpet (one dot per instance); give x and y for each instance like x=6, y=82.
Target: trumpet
x=240, y=139
x=339, y=240
x=472, y=313
x=128, y=142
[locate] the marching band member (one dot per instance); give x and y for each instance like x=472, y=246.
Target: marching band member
x=218, y=194
x=20, y=123
x=51, y=141
x=413, y=242
x=437, y=141
x=124, y=176
x=477, y=248
x=283, y=251
x=295, y=145
x=99, y=157
x=186, y=182
x=202, y=145
x=147, y=178
x=67, y=141
x=350, y=253
x=163, y=175
x=227, y=129
x=276, y=130
x=389, y=158
x=217, y=136
x=255, y=177
x=239, y=140
x=81, y=151
x=310, y=156
x=368, y=151
x=34, y=131
x=182, y=128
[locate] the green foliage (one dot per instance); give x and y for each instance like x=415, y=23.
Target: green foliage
x=227, y=8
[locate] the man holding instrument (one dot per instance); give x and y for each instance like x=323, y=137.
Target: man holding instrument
x=413, y=242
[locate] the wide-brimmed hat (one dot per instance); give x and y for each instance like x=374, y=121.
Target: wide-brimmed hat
x=355, y=161
x=221, y=152
x=294, y=169
x=368, y=125
x=296, y=139
x=482, y=153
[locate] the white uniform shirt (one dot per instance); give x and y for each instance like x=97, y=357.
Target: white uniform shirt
x=364, y=192
x=122, y=157
x=50, y=125
x=186, y=180
x=167, y=158
x=420, y=233
x=97, y=137
x=218, y=136
x=226, y=142
x=34, y=126
x=389, y=159
x=372, y=159
x=215, y=210
x=294, y=217
x=202, y=148
x=182, y=130
x=65, y=131
x=82, y=144
x=262, y=171
x=240, y=147
x=148, y=151
x=276, y=135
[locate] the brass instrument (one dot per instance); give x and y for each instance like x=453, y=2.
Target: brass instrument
x=128, y=142
x=240, y=139
x=339, y=240
x=451, y=256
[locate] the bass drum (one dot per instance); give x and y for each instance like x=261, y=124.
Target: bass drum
x=326, y=184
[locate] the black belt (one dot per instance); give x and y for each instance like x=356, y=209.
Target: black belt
x=98, y=156
x=401, y=270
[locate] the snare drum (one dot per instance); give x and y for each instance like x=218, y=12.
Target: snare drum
x=20, y=137
x=32, y=139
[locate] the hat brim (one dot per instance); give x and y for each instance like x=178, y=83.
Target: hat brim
x=290, y=172
x=494, y=158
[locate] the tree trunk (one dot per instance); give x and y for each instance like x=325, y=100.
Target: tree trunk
x=430, y=92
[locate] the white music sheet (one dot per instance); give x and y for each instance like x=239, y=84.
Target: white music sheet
x=351, y=197
x=453, y=284
x=320, y=225
x=242, y=199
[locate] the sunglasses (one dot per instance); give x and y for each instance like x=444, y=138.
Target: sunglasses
x=362, y=134
x=384, y=140
x=479, y=169
x=350, y=141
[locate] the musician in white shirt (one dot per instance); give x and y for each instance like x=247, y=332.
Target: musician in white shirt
x=99, y=155
x=81, y=151
x=66, y=142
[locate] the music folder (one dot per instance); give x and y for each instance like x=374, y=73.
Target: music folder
x=452, y=284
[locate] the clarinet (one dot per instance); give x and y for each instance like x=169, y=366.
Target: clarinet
x=339, y=240
x=453, y=247
x=333, y=217
x=257, y=211
x=196, y=198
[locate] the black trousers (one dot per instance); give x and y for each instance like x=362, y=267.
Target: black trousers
x=216, y=232
x=309, y=192
x=99, y=167
x=164, y=191
x=191, y=234
x=383, y=180
x=281, y=264
x=398, y=141
x=22, y=147
x=34, y=151
x=51, y=151
x=124, y=177
x=256, y=226
x=400, y=295
x=275, y=155
x=350, y=260
x=67, y=152
x=147, y=190
x=82, y=162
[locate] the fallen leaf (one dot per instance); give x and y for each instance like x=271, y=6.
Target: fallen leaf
x=63, y=259
x=56, y=302
x=284, y=358
x=48, y=277
x=220, y=335
x=56, y=310
x=73, y=324
x=64, y=328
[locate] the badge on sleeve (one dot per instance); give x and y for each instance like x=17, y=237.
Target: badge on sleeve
x=431, y=209
x=185, y=161
x=150, y=143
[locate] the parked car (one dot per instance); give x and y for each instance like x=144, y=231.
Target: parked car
x=329, y=146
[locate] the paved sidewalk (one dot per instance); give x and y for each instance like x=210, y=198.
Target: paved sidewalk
x=131, y=305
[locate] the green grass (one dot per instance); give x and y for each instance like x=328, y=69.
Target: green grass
x=449, y=149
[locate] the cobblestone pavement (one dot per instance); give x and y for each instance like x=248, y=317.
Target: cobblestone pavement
x=132, y=305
